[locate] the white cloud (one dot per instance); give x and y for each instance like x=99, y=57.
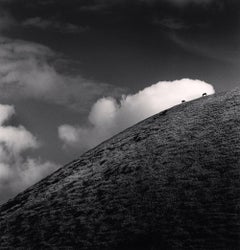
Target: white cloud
x=16, y=171
x=27, y=71
x=6, y=111
x=17, y=139
x=30, y=70
x=108, y=117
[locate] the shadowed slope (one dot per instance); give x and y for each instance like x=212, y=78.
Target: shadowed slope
x=169, y=182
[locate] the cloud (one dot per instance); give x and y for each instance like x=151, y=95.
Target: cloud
x=6, y=111
x=27, y=70
x=30, y=71
x=17, y=139
x=171, y=23
x=53, y=25
x=16, y=171
x=108, y=116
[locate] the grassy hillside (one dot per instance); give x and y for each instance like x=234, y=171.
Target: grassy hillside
x=169, y=182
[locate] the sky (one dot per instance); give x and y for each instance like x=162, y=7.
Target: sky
x=75, y=72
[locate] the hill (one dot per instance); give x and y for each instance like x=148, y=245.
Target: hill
x=171, y=181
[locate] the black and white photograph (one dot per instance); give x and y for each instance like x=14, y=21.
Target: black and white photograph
x=120, y=124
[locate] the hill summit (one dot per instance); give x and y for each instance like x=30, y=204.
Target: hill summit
x=171, y=181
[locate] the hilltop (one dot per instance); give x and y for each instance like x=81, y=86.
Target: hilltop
x=171, y=181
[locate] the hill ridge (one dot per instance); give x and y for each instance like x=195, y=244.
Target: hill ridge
x=168, y=182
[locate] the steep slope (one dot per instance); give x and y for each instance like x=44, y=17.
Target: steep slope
x=169, y=182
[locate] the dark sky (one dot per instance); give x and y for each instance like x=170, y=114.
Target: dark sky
x=134, y=43
x=58, y=57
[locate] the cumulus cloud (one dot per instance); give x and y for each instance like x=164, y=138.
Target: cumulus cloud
x=27, y=70
x=109, y=116
x=6, y=111
x=16, y=171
